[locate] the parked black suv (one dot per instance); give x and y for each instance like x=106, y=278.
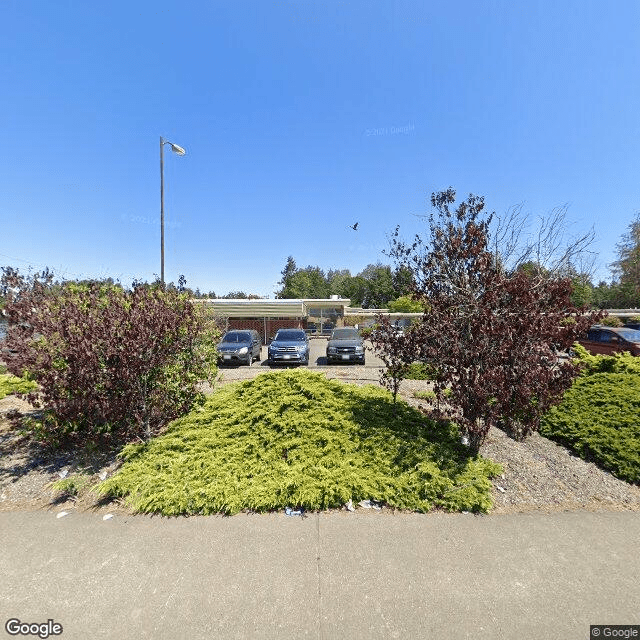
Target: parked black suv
x=345, y=345
x=239, y=346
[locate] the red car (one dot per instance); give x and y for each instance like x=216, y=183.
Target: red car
x=608, y=340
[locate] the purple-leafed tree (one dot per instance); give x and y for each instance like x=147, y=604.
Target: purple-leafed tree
x=110, y=364
x=396, y=350
x=490, y=334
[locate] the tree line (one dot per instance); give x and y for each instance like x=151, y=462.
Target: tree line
x=624, y=290
x=375, y=287
x=380, y=286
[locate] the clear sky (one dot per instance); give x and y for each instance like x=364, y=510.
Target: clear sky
x=301, y=117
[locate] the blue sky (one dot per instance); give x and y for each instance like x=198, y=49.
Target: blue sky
x=299, y=118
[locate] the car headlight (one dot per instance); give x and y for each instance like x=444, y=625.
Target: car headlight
x=331, y=350
x=243, y=351
x=302, y=347
x=359, y=350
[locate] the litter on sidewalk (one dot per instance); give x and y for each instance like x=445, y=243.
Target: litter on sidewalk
x=370, y=504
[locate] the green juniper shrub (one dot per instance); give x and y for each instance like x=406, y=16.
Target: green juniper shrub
x=295, y=438
x=421, y=371
x=612, y=321
x=430, y=395
x=599, y=417
x=615, y=363
x=72, y=485
x=12, y=384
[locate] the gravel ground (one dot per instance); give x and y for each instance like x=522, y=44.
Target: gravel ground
x=539, y=475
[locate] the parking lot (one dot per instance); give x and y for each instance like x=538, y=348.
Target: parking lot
x=318, y=356
x=349, y=371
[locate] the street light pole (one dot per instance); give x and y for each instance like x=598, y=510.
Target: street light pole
x=180, y=151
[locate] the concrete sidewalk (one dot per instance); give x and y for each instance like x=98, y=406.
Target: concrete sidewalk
x=330, y=575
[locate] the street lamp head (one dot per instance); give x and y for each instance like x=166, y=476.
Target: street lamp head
x=180, y=151
x=177, y=149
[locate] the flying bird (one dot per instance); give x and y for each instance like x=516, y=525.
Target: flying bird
x=354, y=226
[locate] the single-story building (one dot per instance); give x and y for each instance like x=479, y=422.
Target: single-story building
x=316, y=316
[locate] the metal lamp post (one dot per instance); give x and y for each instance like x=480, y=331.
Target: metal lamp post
x=180, y=151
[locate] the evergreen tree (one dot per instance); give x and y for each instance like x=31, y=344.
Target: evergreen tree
x=626, y=269
x=287, y=274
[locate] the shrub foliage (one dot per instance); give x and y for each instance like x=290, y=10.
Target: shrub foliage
x=11, y=384
x=109, y=362
x=612, y=321
x=599, y=417
x=295, y=438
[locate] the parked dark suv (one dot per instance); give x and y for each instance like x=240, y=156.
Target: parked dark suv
x=239, y=346
x=289, y=346
x=608, y=340
x=345, y=345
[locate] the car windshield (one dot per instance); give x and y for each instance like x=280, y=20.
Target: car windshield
x=236, y=336
x=632, y=335
x=345, y=334
x=290, y=336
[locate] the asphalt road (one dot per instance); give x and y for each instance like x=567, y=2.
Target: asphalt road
x=331, y=575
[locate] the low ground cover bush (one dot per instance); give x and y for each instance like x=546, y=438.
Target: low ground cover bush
x=11, y=384
x=430, y=395
x=599, y=417
x=612, y=321
x=295, y=438
x=72, y=485
x=420, y=371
